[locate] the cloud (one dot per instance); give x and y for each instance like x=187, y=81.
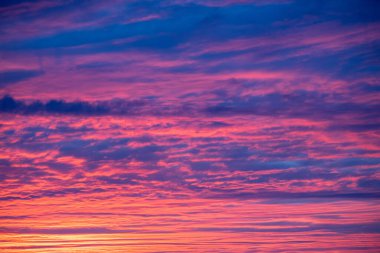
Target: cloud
x=299, y=104
x=371, y=228
x=66, y=231
x=15, y=76
x=240, y=125
x=114, y=107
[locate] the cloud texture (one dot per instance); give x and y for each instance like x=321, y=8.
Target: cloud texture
x=189, y=126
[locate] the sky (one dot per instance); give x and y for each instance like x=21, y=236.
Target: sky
x=189, y=126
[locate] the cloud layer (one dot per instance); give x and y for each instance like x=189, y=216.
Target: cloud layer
x=189, y=126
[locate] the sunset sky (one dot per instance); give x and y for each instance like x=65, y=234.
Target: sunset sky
x=189, y=126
